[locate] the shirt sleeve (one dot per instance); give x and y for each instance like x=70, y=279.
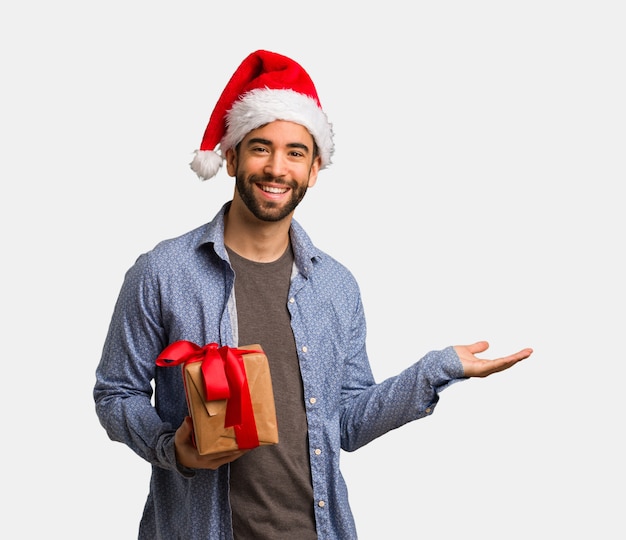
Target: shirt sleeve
x=371, y=409
x=123, y=388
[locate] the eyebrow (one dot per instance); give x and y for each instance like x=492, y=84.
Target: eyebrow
x=267, y=142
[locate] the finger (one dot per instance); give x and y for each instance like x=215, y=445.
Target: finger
x=500, y=364
x=516, y=357
x=478, y=347
x=184, y=431
x=221, y=458
x=226, y=454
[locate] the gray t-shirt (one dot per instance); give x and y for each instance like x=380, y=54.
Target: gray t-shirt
x=271, y=492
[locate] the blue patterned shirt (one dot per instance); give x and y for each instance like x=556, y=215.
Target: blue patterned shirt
x=183, y=289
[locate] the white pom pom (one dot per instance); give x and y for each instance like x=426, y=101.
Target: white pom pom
x=206, y=163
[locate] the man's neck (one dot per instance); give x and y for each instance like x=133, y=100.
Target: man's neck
x=253, y=239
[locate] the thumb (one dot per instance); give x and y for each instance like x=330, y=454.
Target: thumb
x=188, y=422
x=472, y=349
x=186, y=428
x=478, y=347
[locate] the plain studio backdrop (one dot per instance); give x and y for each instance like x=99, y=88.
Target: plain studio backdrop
x=476, y=193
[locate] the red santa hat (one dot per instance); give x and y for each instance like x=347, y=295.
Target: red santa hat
x=266, y=87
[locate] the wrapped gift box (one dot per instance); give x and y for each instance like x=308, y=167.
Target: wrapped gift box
x=211, y=417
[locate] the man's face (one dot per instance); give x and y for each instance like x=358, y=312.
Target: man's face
x=274, y=166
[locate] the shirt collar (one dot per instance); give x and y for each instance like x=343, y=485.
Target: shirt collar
x=305, y=253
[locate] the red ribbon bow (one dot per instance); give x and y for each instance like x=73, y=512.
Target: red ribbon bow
x=224, y=376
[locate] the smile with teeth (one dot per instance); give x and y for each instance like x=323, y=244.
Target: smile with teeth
x=270, y=189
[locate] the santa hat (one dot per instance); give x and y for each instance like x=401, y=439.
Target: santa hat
x=266, y=87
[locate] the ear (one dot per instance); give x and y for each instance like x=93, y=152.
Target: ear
x=231, y=162
x=315, y=169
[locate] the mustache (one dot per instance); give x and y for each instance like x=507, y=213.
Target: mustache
x=254, y=178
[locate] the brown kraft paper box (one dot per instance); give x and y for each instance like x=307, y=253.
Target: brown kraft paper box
x=208, y=416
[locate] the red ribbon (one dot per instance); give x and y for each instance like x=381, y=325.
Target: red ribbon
x=224, y=377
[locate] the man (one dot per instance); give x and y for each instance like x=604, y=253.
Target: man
x=252, y=275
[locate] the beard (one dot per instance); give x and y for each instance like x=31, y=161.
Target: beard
x=268, y=210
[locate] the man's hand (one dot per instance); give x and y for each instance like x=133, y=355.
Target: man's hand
x=478, y=367
x=187, y=454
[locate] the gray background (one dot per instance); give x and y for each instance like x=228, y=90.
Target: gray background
x=476, y=192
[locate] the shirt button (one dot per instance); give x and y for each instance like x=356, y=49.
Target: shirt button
x=321, y=504
x=292, y=300
x=312, y=401
x=428, y=410
x=305, y=349
x=317, y=451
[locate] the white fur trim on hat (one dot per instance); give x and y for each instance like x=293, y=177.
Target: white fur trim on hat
x=263, y=105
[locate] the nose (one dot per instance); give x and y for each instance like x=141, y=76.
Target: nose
x=276, y=164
